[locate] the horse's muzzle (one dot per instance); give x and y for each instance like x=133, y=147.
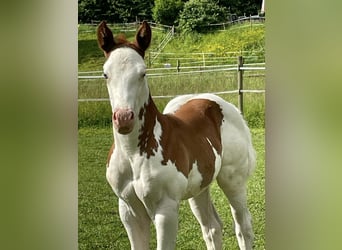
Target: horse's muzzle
x=123, y=120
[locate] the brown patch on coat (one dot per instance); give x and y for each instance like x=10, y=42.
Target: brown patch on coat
x=186, y=142
x=185, y=135
x=147, y=141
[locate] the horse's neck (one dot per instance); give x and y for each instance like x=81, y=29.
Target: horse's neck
x=148, y=114
x=143, y=130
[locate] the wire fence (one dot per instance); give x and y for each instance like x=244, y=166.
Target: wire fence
x=122, y=27
x=203, y=59
x=131, y=26
x=240, y=70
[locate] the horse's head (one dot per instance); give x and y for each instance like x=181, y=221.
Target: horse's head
x=125, y=71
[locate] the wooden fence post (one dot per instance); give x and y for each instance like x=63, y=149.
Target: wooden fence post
x=240, y=82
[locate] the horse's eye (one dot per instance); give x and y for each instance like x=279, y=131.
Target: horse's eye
x=105, y=76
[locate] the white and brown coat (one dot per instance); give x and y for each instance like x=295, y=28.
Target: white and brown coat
x=160, y=159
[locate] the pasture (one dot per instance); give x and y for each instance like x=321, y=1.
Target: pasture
x=99, y=223
x=222, y=48
x=99, y=113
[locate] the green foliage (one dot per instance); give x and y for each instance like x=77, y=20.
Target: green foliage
x=167, y=11
x=114, y=10
x=164, y=11
x=236, y=38
x=198, y=14
x=242, y=7
x=240, y=38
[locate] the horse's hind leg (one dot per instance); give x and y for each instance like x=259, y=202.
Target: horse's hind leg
x=205, y=213
x=236, y=191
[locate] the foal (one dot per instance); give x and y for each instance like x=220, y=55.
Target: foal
x=160, y=159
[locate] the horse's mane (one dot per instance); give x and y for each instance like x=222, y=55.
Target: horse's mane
x=121, y=41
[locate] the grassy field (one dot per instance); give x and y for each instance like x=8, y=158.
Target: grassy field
x=238, y=38
x=99, y=113
x=242, y=39
x=99, y=223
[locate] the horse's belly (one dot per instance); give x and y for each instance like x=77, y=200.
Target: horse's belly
x=195, y=180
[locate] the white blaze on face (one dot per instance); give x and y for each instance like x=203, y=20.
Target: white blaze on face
x=127, y=85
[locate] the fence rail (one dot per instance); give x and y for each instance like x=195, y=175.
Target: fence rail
x=124, y=27
x=168, y=70
x=162, y=45
x=131, y=26
x=240, y=68
x=203, y=58
x=243, y=19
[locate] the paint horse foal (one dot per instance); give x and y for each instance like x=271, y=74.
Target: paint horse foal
x=161, y=159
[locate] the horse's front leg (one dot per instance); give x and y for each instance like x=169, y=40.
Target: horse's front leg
x=136, y=222
x=132, y=211
x=166, y=222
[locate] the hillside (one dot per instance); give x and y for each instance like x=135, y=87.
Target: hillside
x=90, y=57
x=250, y=39
x=236, y=38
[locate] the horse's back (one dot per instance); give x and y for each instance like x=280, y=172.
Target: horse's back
x=230, y=114
x=228, y=109
x=237, y=149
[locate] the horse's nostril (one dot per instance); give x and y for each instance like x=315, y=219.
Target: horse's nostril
x=115, y=116
x=123, y=115
x=123, y=120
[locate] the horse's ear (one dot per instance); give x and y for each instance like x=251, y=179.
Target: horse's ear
x=144, y=35
x=105, y=38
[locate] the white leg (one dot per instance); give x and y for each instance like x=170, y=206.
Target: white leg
x=211, y=225
x=137, y=224
x=237, y=196
x=242, y=219
x=166, y=222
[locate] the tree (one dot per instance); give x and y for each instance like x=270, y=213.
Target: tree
x=167, y=11
x=197, y=14
x=241, y=7
x=114, y=10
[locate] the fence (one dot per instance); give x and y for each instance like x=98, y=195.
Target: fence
x=204, y=59
x=122, y=27
x=252, y=20
x=131, y=26
x=162, y=45
x=239, y=68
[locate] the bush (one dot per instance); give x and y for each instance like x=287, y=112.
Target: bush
x=167, y=11
x=198, y=14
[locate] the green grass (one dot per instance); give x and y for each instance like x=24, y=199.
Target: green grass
x=99, y=223
x=99, y=113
